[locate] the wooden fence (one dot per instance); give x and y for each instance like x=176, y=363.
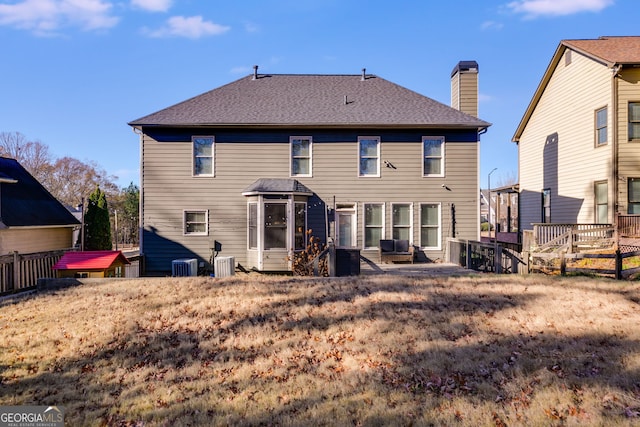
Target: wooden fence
x=558, y=262
x=21, y=271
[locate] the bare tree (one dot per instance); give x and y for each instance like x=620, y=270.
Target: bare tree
x=33, y=155
x=70, y=180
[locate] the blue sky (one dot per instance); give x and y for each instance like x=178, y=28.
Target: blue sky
x=74, y=72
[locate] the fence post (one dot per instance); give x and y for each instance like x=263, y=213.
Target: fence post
x=570, y=243
x=618, y=265
x=16, y=271
x=563, y=265
x=331, y=260
x=498, y=261
x=468, y=248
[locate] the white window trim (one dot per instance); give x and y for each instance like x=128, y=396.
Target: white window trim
x=291, y=139
x=410, y=219
x=364, y=223
x=213, y=157
x=439, y=246
x=184, y=222
x=442, y=156
x=288, y=230
x=351, y=209
x=249, y=204
x=597, y=129
x=360, y=174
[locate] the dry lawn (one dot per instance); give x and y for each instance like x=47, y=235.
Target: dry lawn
x=482, y=350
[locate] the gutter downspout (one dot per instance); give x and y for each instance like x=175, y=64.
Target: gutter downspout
x=142, y=266
x=614, y=148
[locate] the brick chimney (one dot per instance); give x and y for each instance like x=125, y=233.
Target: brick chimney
x=464, y=87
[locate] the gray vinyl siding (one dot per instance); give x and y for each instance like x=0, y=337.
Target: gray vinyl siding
x=169, y=188
x=557, y=148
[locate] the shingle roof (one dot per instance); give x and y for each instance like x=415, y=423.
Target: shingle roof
x=276, y=185
x=89, y=260
x=311, y=100
x=25, y=202
x=610, y=50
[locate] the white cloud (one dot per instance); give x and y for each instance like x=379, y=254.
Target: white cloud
x=250, y=27
x=46, y=17
x=192, y=27
x=491, y=25
x=152, y=5
x=535, y=8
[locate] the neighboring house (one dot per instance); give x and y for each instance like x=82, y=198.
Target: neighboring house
x=91, y=264
x=31, y=219
x=256, y=163
x=487, y=214
x=579, y=139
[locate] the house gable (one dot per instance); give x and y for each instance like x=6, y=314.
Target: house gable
x=24, y=202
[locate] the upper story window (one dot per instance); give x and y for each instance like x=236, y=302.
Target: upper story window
x=601, y=126
x=369, y=156
x=196, y=222
x=634, y=120
x=203, y=155
x=433, y=156
x=301, y=147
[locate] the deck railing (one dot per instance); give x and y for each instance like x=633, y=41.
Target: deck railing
x=629, y=225
x=560, y=236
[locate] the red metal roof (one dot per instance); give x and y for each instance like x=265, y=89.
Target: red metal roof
x=89, y=260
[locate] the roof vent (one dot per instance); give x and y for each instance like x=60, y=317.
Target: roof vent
x=255, y=72
x=364, y=74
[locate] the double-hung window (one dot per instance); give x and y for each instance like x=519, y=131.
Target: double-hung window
x=430, y=225
x=401, y=221
x=601, y=127
x=252, y=223
x=433, y=156
x=369, y=156
x=373, y=224
x=196, y=222
x=203, y=150
x=633, y=200
x=634, y=120
x=602, y=202
x=301, y=158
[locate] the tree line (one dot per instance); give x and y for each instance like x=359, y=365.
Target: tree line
x=77, y=183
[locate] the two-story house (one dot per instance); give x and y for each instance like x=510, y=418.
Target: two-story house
x=579, y=139
x=256, y=163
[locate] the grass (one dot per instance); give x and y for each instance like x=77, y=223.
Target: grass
x=482, y=350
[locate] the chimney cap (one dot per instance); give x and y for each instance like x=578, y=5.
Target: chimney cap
x=462, y=66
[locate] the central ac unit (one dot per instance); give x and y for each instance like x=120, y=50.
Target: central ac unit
x=184, y=267
x=224, y=266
